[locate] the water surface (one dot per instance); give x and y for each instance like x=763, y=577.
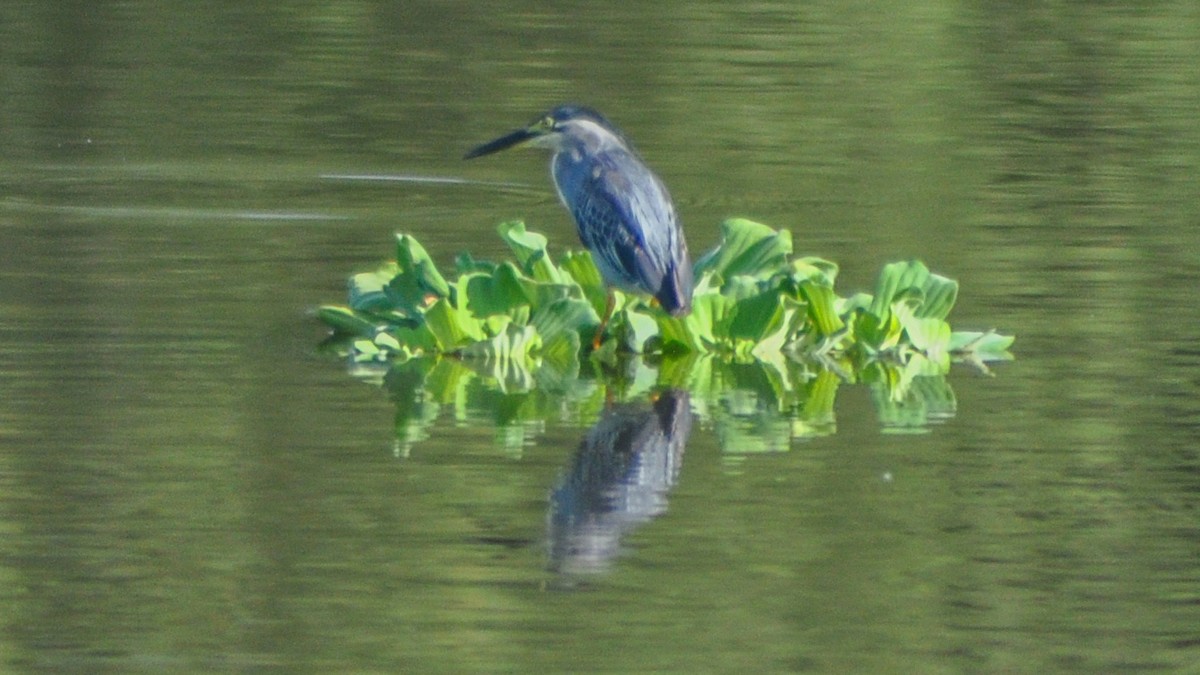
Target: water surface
x=189, y=485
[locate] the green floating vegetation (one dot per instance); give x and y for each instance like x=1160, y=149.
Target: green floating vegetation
x=531, y=319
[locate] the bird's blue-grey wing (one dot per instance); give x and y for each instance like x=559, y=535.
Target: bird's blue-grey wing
x=625, y=217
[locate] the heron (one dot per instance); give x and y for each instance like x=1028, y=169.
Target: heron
x=622, y=210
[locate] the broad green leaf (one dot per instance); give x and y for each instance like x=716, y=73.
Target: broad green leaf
x=567, y=315
x=417, y=339
x=940, y=294
x=347, y=321
x=412, y=259
x=856, y=302
x=756, y=317
x=633, y=328
x=748, y=248
x=890, y=283
x=929, y=335
x=368, y=290
x=770, y=348
x=530, y=250
x=821, y=307
x=706, y=328
x=937, y=293
x=453, y=328
x=579, y=267
x=496, y=293
x=523, y=243
x=742, y=286
x=988, y=346
x=875, y=334
x=816, y=269
x=466, y=264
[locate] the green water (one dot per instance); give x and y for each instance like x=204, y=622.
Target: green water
x=186, y=485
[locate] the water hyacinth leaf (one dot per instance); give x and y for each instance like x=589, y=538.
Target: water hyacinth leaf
x=579, y=268
x=875, y=334
x=986, y=346
x=368, y=290
x=346, y=321
x=417, y=339
x=523, y=243
x=704, y=329
x=567, y=315
x=453, y=328
x=542, y=269
x=542, y=294
x=412, y=259
x=854, y=303
x=498, y=323
x=530, y=250
x=756, y=317
x=741, y=287
x=817, y=269
x=465, y=263
x=748, y=248
x=582, y=270
x=633, y=329
x=495, y=293
x=770, y=347
x=886, y=288
x=821, y=307
x=929, y=335
x=677, y=335
x=940, y=295
x=750, y=301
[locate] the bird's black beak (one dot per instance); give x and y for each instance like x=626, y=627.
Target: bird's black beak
x=503, y=143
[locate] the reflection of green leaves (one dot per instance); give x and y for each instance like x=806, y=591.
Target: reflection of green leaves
x=911, y=397
x=752, y=301
x=752, y=407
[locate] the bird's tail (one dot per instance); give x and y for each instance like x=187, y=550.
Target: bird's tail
x=675, y=295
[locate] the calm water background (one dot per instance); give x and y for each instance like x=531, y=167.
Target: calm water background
x=185, y=484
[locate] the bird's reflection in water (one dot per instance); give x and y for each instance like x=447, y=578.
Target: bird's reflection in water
x=619, y=480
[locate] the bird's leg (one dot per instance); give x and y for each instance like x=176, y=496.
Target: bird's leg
x=610, y=303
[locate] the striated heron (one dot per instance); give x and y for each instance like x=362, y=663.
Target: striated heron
x=622, y=210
